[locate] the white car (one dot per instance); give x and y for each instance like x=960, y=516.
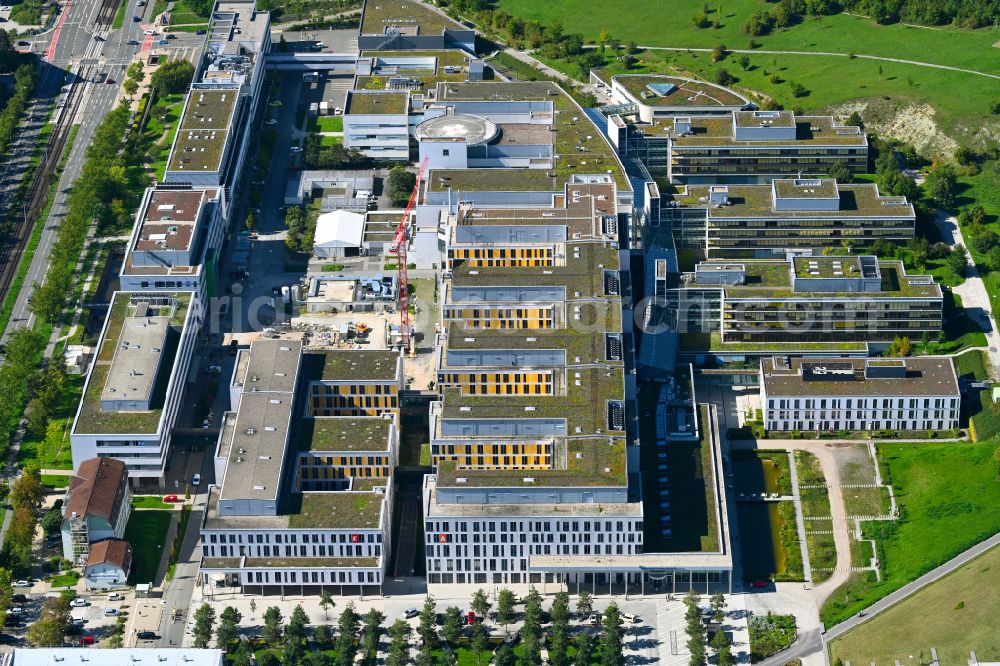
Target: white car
x=149, y=32
x=111, y=612
x=296, y=149
x=196, y=480
x=116, y=596
x=271, y=121
x=16, y=610
x=79, y=602
x=22, y=583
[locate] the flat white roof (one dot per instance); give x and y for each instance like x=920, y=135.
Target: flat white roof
x=340, y=228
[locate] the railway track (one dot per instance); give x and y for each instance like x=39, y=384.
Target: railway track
x=41, y=181
x=106, y=14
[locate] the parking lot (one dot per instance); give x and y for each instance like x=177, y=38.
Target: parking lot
x=91, y=615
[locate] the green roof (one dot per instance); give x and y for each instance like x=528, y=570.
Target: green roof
x=688, y=92
x=857, y=200
x=335, y=510
x=585, y=406
x=385, y=103
x=580, y=145
x=203, y=131
x=349, y=365
x=708, y=131
x=494, y=180
x=590, y=462
x=336, y=434
x=91, y=419
x=380, y=14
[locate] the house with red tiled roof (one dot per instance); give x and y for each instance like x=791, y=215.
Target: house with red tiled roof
x=108, y=564
x=97, y=506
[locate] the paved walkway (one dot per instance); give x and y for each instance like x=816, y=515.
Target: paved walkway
x=834, y=54
x=975, y=298
x=800, y=523
x=908, y=589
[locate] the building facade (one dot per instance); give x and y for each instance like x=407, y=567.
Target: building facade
x=97, y=506
x=872, y=394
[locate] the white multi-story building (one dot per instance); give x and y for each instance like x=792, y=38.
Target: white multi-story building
x=377, y=124
x=97, y=506
x=302, y=500
x=175, y=241
x=209, y=148
x=815, y=394
x=133, y=392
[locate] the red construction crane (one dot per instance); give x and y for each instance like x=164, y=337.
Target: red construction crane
x=398, y=248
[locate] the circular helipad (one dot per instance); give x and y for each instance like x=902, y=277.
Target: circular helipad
x=473, y=129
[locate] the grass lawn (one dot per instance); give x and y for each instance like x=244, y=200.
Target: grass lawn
x=53, y=451
x=829, y=79
x=326, y=140
x=149, y=502
x=65, y=579
x=326, y=124
x=949, y=499
x=953, y=615
x=147, y=532
x=119, y=19
x=56, y=480
x=973, y=364
x=984, y=416
x=866, y=501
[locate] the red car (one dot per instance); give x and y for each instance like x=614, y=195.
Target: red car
x=760, y=583
x=87, y=640
x=170, y=499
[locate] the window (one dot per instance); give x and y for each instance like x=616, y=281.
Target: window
x=446, y=152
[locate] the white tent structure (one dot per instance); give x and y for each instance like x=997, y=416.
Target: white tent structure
x=338, y=234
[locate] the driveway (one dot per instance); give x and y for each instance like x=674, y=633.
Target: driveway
x=973, y=293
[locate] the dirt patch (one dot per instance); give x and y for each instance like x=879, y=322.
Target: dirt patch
x=912, y=123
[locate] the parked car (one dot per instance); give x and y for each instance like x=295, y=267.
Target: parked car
x=19, y=598
x=196, y=480
x=760, y=583
x=631, y=618
x=79, y=602
x=117, y=596
x=146, y=635
x=410, y=613
x=170, y=499
x=595, y=619
x=149, y=32
x=111, y=612
x=86, y=640
x=296, y=149
x=214, y=369
x=200, y=32
x=15, y=610
x=22, y=583
x=271, y=121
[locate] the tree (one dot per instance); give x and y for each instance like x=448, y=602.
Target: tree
x=958, y=261
x=584, y=649
x=584, y=604
x=723, y=651
x=758, y=24
x=347, y=631
x=425, y=628
x=744, y=62
x=52, y=522
x=717, y=603
x=130, y=87
x=172, y=77
x=900, y=346
x=204, y=621
x=27, y=490
x=251, y=221
x=700, y=19
x=841, y=173
x=253, y=606
x=559, y=633
x=611, y=637
x=452, y=624
x=481, y=603
x=855, y=120
x=506, y=657
x=399, y=648
x=323, y=635
x=326, y=601
x=603, y=37
x=271, y=634
x=941, y=186
x=798, y=90
x=448, y=657
x=718, y=52
x=505, y=607
x=480, y=640
x=401, y=183
x=724, y=78
x=295, y=221
x=228, y=631
x=297, y=622
x=370, y=635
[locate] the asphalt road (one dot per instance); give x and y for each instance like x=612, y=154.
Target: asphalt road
x=70, y=47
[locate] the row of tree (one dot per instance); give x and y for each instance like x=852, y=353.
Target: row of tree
x=10, y=117
x=290, y=641
x=24, y=347
x=698, y=633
